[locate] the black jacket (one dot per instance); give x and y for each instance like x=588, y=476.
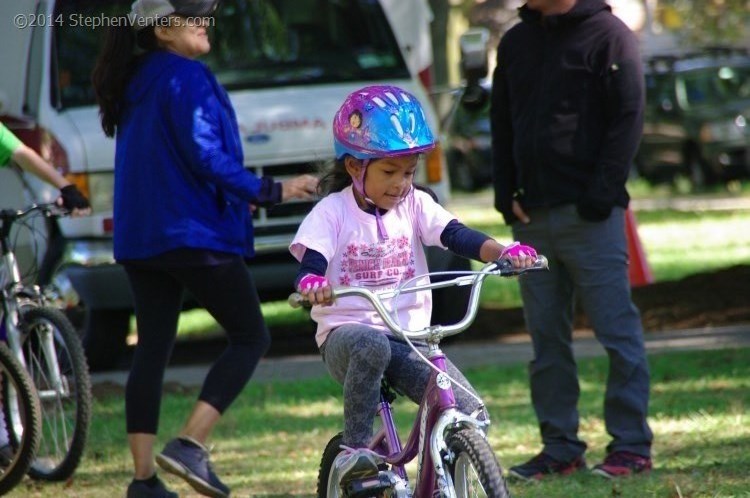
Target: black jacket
x=566, y=111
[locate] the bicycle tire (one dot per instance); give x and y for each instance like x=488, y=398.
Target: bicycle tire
x=328, y=482
x=22, y=416
x=65, y=419
x=474, y=466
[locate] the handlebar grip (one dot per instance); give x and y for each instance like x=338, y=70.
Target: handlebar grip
x=295, y=300
x=507, y=270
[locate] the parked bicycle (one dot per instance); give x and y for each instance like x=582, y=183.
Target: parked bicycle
x=43, y=340
x=20, y=416
x=453, y=454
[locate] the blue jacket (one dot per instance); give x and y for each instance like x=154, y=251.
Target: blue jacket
x=179, y=175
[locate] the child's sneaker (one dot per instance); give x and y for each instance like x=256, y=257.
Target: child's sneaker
x=356, y=464
x=147, y=489
x=622, y=463
x=543, y=465
x=187, y=458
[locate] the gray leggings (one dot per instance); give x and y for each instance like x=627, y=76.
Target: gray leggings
x=358, y=356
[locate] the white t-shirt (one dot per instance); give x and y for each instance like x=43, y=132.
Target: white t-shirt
x=348, y=238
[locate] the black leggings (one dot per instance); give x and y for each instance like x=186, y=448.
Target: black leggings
x=227, y=292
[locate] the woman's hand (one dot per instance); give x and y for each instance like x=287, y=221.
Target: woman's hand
x=300, y=187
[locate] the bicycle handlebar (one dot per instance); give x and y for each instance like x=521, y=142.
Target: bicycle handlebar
x=9, y=216
x=502, y=268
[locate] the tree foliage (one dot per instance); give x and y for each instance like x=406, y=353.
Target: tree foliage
x=702, y=22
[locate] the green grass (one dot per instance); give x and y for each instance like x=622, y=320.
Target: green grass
x=270, y=441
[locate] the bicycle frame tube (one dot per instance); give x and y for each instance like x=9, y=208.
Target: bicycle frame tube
x=11, y=280
x=436, y=414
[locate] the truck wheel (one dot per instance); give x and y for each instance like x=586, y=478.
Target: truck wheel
x=104, y=333
x=698, y=171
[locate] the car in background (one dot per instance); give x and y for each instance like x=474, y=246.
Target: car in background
x=696, y=118
x=469, y=141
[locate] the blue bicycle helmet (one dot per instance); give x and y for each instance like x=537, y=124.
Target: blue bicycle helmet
x=381, y=121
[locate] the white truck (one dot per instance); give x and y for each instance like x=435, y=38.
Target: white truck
x=287, y=65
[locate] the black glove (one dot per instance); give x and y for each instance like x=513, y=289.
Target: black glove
x=72, y=198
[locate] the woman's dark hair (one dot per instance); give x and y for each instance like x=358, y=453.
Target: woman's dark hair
x=115, y=65
x=335, y=179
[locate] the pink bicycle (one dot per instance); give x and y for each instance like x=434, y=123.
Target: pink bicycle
x=454, y=456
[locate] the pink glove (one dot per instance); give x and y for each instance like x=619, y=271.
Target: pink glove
x=312, y=282
x=518, y=249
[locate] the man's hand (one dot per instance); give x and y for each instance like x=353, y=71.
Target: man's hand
x=520, y=213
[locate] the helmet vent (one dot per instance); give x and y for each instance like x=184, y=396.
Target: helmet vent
x=396, y=124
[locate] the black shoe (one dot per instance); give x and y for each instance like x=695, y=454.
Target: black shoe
x=189, y=459
x=140, y=489
x=544, y=465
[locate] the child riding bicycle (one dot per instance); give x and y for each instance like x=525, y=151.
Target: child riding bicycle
x=369, y=231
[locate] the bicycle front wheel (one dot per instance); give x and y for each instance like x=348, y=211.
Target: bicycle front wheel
x=328, y=478
x=57, y=366
x=21, y=421
x=474, y=470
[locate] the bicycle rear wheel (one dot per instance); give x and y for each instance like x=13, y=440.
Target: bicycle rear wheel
x=57, y=366
x=474, y=470
x=21, y=419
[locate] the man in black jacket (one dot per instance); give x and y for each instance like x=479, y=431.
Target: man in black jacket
x=567, y=106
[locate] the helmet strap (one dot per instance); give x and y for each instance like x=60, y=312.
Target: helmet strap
x=358, y=182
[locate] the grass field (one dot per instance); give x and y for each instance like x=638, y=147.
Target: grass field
x=270, y=441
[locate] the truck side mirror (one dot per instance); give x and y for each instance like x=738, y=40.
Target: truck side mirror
x=474, y=64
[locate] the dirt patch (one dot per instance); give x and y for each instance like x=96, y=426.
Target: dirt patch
x=710, y=299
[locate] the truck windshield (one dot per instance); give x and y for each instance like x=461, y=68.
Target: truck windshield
x=709, y=87
x=254, y=44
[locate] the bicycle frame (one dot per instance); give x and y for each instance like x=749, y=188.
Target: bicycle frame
x=13, y=291
x=437, y=414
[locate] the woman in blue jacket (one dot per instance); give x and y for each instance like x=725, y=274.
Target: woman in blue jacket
x=182, y=221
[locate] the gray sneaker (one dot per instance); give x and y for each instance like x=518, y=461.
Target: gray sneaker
x=356, y=464
x=188, y=459
x=139, y=489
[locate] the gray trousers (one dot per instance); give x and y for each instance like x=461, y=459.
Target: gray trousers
x=588, y=259
x=358, y=356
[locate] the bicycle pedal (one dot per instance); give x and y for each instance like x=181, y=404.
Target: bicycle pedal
x=369, y=487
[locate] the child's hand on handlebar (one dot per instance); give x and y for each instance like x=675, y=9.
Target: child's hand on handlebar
x=521, y=256
x=315, y=289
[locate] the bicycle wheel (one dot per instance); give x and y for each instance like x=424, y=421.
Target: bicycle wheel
x=328, y=478
x=21, y=419
x=475, y=471
x=60, y=374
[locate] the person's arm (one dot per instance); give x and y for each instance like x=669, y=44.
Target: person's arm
x=70, y=197
x=194, y=108
x=473, y=244
x=624, y=105
x=503, y=166
x=311, y=281
x=32, y=162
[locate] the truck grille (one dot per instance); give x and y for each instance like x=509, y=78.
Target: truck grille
x=282, y=219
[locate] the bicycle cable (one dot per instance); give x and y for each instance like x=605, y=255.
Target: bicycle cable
x=397, y=292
